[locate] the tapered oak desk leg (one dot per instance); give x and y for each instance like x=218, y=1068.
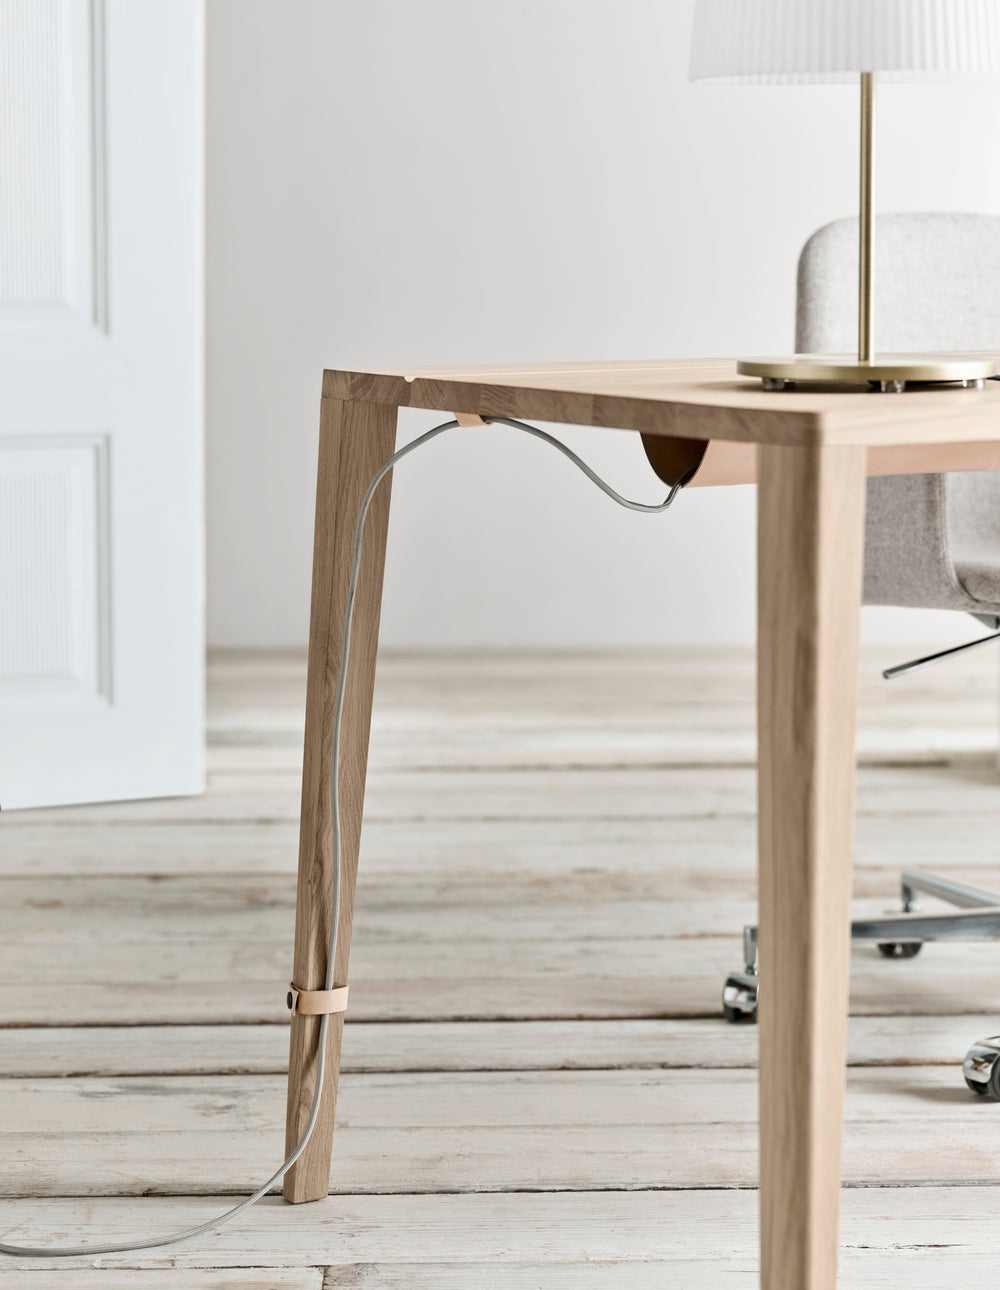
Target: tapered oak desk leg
x=810, y=541
x=355, y=439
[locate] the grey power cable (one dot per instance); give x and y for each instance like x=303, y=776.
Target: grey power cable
x=123, y=1247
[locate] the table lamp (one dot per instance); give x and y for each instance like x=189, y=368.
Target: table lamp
x=833, y=41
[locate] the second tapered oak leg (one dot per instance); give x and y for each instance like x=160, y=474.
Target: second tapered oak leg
x=810, y=548
x=355, y=439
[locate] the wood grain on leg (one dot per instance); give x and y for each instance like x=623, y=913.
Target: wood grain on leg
x=810, y=542
x=355, y=439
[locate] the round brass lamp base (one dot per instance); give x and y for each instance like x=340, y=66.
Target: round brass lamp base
x=892, y=372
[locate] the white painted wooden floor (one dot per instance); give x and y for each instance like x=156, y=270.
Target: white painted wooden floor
x=539, y=1092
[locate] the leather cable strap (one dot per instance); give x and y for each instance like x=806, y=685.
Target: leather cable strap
x=315, y=1003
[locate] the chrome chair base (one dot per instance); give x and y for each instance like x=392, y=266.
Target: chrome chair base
x=902, y=936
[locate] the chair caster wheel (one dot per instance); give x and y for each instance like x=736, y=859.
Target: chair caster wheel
x=739, y=998
x=981, y=1069
x=900, y=949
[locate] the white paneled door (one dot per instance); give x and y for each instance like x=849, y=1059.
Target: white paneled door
x=101, y=584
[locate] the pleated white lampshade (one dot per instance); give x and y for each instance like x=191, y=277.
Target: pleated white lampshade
x=798, y=41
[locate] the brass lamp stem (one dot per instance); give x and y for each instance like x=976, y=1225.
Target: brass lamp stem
x=891, y=372
x=866, y=343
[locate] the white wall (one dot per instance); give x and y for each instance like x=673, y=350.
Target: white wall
x=402, y=182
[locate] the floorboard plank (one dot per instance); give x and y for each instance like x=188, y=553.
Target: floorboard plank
x=899, y=1226
x=494, y=848
x=662, y=793
x=927, y=1270
x=507, y=1131
x=55, y=1052
x=165, y=1279
x=163, y=982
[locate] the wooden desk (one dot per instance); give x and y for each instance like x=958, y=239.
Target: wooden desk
x=813, y=451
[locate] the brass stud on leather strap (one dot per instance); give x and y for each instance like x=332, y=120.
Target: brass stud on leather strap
x=316, y=1003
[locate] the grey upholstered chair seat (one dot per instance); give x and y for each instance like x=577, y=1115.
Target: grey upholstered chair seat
x=931, y=541
x=978, y=574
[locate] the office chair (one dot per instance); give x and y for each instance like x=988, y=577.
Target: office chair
x=931, y=541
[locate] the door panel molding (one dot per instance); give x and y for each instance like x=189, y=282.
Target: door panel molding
x=55, y=560
x=53, y=229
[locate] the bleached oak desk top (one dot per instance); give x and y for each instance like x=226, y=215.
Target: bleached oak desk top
x=692, y=398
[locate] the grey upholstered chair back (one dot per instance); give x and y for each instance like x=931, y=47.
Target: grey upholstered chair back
x=931, y=540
